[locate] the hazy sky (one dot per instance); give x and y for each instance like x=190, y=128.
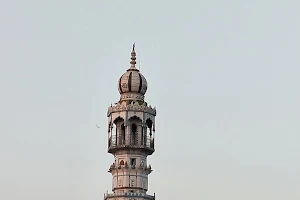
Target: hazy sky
x=223, y=75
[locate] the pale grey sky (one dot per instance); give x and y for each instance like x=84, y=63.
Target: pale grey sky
x=224, y=76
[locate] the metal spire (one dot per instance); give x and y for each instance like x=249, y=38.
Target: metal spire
x=133, y=58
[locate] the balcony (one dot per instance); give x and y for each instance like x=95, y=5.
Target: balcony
x=114, y=195
x=147, y=144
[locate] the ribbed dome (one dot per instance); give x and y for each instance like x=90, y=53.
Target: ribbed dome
x=132, y=80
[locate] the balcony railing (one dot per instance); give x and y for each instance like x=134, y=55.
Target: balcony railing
x=114, y=142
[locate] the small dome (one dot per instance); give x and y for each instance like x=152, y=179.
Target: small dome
x=132, y=80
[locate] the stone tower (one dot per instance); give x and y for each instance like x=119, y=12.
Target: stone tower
x=131, y=128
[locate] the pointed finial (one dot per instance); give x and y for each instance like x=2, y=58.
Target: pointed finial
x=133, y=58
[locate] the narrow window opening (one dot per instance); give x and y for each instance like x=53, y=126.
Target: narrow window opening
x=122, y=134
x=134, y=134
x=132, y=161
x=133, y=128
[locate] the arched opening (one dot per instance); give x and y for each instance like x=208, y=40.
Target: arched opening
x=116, y=136
x=133, y=134
x=135, y=131
x=121, y=162
x=150, y=137
x=149, y=126
x=122, y=134
x=110, y=129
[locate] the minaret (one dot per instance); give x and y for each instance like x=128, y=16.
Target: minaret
x=131, y=127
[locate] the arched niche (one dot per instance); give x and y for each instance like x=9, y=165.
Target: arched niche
x=119, y=133
x=135, y=118
x=122, y=135
x=134, y=129
x=118, y=120
x=149, y=125
x=149, y=133
x=121, y=162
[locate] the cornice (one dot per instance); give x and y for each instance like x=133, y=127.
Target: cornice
x=137, y=108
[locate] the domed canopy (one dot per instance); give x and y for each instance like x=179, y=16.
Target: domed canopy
x=132, y=81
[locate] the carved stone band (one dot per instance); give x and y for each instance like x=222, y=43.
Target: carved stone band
x=132, y=96
x=142, y=108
